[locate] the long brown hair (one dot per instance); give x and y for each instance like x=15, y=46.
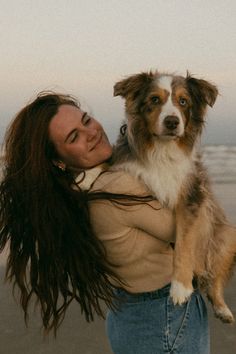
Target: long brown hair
x=53, y=252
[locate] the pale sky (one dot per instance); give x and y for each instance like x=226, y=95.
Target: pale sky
x=84, y=47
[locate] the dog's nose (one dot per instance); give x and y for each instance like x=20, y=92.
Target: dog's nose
x=171, y=122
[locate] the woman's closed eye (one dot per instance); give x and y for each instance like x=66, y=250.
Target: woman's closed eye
x=73, y=137
x=74, y=134
x=86, y=119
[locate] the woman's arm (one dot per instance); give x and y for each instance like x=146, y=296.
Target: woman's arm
x=111, y=217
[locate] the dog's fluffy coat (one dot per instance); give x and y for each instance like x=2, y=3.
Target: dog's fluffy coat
x=165, y=116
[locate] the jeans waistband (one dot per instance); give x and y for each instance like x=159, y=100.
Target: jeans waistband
x=144, y=296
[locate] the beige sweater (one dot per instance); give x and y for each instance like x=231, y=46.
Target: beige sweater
x=136, y=238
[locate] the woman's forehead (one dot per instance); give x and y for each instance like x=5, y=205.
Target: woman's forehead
x=64, y=121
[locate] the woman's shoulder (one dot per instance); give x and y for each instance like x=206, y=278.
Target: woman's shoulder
x=120, y=182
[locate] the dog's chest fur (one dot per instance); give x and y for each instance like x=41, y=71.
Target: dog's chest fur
x=165, y=172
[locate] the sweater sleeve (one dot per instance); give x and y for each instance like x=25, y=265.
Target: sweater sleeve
x=150, y=217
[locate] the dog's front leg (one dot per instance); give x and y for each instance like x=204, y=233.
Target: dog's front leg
x=181, y=285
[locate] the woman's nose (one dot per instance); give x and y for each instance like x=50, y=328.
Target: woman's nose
x=91, y=133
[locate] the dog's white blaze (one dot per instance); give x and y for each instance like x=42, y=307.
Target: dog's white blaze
x=166, y=170
x=164, y=82
x=169, y=109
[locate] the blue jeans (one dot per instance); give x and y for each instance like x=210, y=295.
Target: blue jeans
x=149, y=323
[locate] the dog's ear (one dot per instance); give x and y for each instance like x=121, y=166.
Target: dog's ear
x=203, y=91
x=132, y=84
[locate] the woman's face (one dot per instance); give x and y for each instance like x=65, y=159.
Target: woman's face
x=78, y=138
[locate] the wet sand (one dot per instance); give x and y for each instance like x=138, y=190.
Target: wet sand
x=223, y=336
x=77, y=337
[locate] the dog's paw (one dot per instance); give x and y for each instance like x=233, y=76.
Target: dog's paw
x=179, y=293
x=224, y=314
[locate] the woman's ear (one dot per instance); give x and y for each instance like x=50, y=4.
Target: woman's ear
x=59, y=164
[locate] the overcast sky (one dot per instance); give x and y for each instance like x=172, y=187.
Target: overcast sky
x=84, y=47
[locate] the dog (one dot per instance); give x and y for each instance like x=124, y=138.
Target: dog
x=165, y=115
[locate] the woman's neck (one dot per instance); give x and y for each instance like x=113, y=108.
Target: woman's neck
x=85, y=179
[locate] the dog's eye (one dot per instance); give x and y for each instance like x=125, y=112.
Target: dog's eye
x=182, y=101
x=155, y=99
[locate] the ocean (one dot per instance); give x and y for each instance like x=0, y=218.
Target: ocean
x=220, y=161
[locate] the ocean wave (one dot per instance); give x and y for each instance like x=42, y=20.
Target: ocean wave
x=220, y=161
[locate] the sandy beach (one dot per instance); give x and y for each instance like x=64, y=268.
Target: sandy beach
x=77, y=337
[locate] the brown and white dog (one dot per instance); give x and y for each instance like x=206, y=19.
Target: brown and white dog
x=165, y=116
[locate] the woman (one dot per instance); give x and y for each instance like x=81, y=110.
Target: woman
x=55, y=195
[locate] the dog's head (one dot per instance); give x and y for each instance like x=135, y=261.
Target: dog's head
x=166, y=106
